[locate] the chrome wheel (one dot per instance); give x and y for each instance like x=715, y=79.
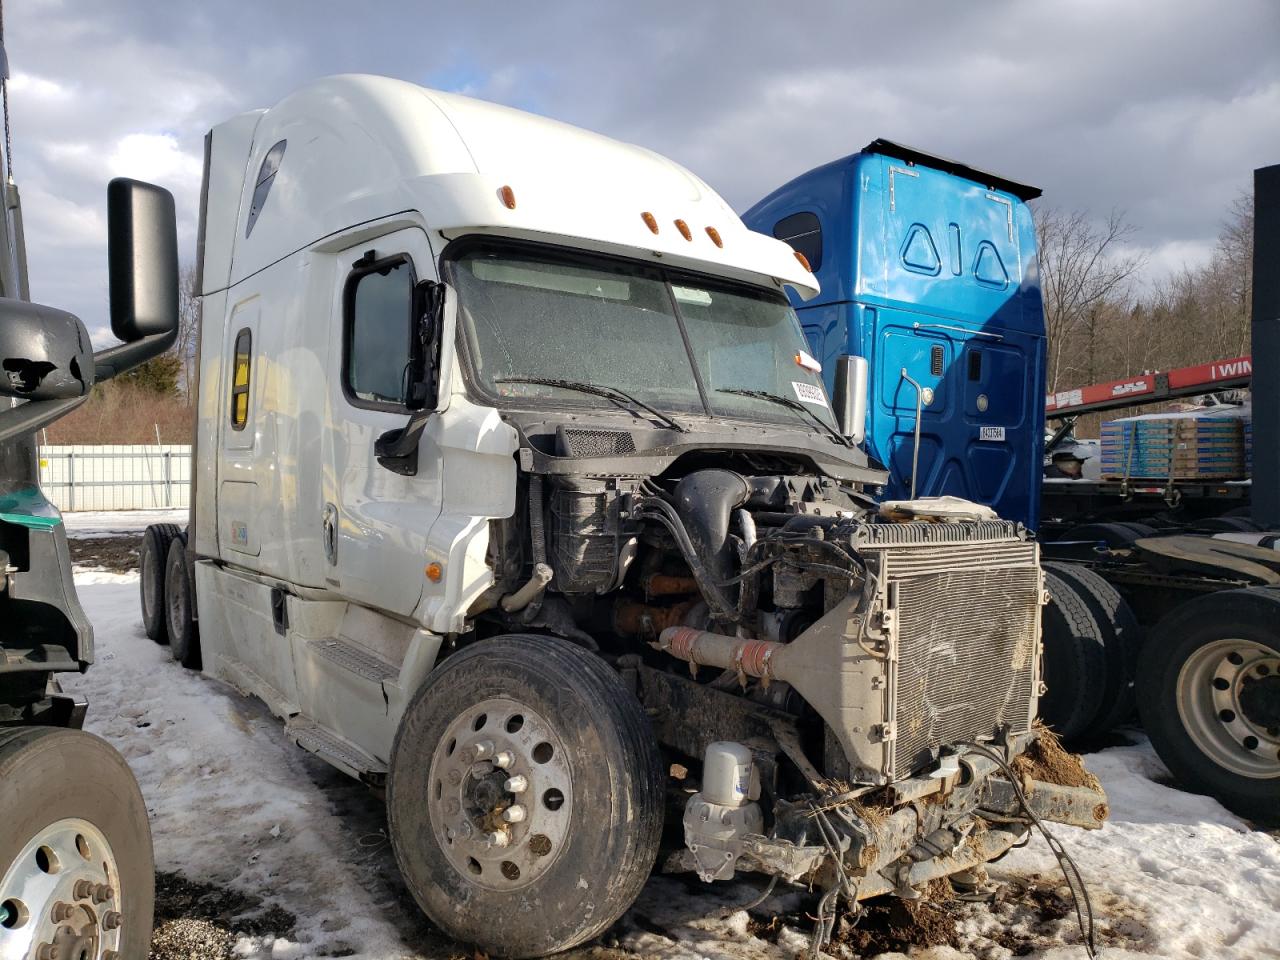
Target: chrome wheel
x=501, y=794
x=60, y=899
x=1229, y=703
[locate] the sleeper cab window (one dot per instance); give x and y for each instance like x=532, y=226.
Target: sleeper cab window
x=378, y=307
x=804, y=232
x=240, y=379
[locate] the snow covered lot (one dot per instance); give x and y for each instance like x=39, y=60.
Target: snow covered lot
x=236, y=806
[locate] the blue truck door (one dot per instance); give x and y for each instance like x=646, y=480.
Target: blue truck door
x=952, y=269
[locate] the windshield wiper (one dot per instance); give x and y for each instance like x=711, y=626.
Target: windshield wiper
x=792, y=405
x=609, y=393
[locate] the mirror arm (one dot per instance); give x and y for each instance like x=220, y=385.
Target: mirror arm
x=125, y=356
x=397, y=450
x=27, y=418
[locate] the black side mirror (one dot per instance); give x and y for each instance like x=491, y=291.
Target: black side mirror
x=45, y=353
x=424, y=352
x=142, y=258
x=397, y=449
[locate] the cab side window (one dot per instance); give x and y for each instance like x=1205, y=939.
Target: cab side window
x=804, y=232
x=240, y=370
x=378, y=312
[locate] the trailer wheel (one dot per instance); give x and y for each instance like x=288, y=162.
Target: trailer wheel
x=1209, y=695
x=151, y=562
x=1122, y=639
x=77, y=877
x=184, y=635
x=525, y=796
x=1075, y=661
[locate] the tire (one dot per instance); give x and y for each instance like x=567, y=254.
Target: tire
x=574, y=876
x=1193, y=721
x=67, y=799
x=1075, y=661
x=151, y=563
x=1115, y=535
x=1226, y=524
x=184, y=635
x=1122, y=639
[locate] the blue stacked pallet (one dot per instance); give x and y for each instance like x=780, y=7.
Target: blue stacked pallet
x=1181, y=446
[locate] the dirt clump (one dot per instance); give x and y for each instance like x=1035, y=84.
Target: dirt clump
x=1047, y=760
x=200, y=921
x=119, y=554
x=889, y=924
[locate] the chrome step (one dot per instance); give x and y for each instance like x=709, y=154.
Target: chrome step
x=343, y=754
x=358, y=660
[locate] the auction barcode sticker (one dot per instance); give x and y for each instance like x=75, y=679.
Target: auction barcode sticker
x=808, y=393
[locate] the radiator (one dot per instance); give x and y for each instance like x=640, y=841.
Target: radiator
x=967, y=628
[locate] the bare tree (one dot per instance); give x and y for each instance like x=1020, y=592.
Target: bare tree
x=188, y=328
x=1083, y=269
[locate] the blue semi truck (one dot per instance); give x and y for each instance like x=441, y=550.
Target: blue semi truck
x=928, y=270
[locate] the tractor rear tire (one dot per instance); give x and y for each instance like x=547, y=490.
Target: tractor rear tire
x=1208, y=689
x=1115, y=535
x=1075, y=661
x=151, y=564
x=541, y=727
x=73, y=815
x=1122, y=638
x=184, y=634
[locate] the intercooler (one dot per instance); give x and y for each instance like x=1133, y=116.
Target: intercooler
x=965, y=602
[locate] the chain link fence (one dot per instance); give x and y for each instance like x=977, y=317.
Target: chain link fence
x=116, y=476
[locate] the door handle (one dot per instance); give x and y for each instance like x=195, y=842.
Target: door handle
x=330, y=523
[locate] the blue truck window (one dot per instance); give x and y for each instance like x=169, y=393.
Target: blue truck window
x=804, y=232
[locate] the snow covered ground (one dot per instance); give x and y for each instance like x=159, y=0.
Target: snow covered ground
x=234, y=804
x=86, y=524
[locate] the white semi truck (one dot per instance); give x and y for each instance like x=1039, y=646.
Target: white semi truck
x=515, y=491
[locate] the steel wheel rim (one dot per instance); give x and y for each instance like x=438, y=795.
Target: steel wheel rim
x=174, y=610
x=148, y=581
x=501, y=797
x=1218, y=713
x=63, y=891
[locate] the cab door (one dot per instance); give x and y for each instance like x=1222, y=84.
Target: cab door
x=374, y=522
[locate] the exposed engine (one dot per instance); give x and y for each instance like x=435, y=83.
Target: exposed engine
x=816, y=650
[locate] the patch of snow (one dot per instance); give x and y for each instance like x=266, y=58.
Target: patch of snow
x=91, y=524
x=234, y=803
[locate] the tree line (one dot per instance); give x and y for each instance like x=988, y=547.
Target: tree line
x=1102, y=325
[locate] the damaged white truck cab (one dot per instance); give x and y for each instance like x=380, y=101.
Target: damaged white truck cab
x=514, y=486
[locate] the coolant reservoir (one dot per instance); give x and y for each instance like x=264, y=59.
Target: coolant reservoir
x=726, y=773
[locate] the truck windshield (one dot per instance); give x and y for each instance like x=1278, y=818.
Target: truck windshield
x=658, y=336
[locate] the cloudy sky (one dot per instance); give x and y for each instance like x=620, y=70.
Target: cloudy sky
x=1161, y=109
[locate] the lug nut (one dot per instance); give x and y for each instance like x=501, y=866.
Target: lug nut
x=48, y=951
x=496, y=839
x=62, y=911
x=112, y=920
x=482, y=750
x=102, y=893
x=83, y=889
x=517, y=784
x=504, y=759
x=513, y=813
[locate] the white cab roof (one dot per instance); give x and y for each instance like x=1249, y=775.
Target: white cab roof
x=361, y=148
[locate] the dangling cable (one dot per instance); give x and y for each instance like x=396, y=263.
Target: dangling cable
x=1070, y=872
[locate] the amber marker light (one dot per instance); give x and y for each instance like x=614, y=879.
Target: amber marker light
x=650, y=221
x=714, y=234
x=508, y=197
x=804, y=261
x=684, y=230
x=434, y=572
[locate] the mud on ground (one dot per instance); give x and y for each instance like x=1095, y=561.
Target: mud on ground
x=200, y=921
x=117, y=553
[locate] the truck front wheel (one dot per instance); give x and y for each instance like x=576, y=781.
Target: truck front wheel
x=77, y=878
x=525, y=796
x=1208, y=688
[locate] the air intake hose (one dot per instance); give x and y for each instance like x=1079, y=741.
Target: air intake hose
x=705, y=501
